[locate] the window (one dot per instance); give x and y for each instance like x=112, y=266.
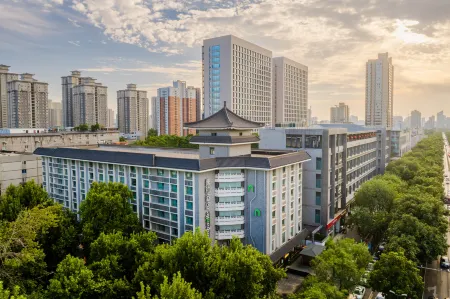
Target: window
x=283, y=222
x=189, y=190
x=145, y=171
x=174, y=217
x=284, y=169
x=273, y=214
x=160, y=172
x=146, y=197
x=318, y=198
x=318, y=180
x=273, y=229
x=283, y=209
x=274, y=186
x=173, y=202
x=91, y=164
x=174, y=188
x=161, y=200
x=173, y=174
x=146, y=211
x=122, y=180
x=146, y=184
x=100, y=177
x=189, y=175
x=211, y=151
x=133, y=182
x=318, y=163
x=213, y=134
x=24, y=171
x=160, y=186
x=274, y=200
x=162, y=214
x=133, y=169
x=284, y=182
x=82, y=174
x=175, y=231
x=134, y=195
x=146, y=224
x=189, y=220
x=317, y=216
x=111, y=178
x=189, y=205
x=110, y=167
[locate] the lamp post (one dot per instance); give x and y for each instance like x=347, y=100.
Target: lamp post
x=398, y=296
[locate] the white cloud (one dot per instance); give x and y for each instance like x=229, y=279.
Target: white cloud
x=75, y=43
x=74, y=22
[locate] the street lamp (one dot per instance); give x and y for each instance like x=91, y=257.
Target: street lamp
x=398, y=296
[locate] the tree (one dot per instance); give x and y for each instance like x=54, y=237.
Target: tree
x=17, y=198
x=152, y=133
x=178, y=289
x=83, y=128
x=21, y=258
x=394, y=272
x=342, y=263
x=312, y=288
x=7, y=294
x=95, y=128
x=72, y=280
x=122, y=139
x=106, y=209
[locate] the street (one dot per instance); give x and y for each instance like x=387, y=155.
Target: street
x=437, y=281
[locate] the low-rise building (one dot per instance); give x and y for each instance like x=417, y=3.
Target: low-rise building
x=343, y=157
x=225, y=188
x=18, y=168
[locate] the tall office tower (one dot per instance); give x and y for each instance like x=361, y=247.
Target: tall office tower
x=68, y=83
x=5, y=77
x=398, y=122
x=199, y=103
x=132, y=107
x=441, y=119
x=153, y=113
x=239, y=73
x=111, y=119
x=27, y=103
x=416, y=119
x=290, y=92
x=89, y=101
x=339, y=114
x=175, y=106
x=54, y=114
x=380, y=91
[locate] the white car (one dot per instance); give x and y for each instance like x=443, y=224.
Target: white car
x=359, y=292
x=380, y=296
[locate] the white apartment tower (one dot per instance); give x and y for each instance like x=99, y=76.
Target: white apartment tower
x=89, y=103
x=380, y=91
x=340, y=114
x=110, y=123
x=68, y=83
x=132, y=110
x=27, y=103
x=54, y=114
x=290, y=92
x=239, y=73
x=5, y=77
x=152, y=121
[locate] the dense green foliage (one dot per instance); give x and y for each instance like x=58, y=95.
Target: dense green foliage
x=404, y=207
x=46, y=253
x=170, y=141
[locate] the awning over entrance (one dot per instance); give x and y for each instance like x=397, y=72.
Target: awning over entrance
x=312, y=250
x=286, y=248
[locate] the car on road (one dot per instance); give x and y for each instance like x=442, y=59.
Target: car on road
x=444, y=262
x=380, y=296
x=359, y=292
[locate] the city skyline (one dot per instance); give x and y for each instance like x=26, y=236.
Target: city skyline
x=152, y=54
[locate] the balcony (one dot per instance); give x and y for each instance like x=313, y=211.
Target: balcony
x=229, y=220
x=229, y=234
x=230, y=191
x=230, y=206
x=228, y=177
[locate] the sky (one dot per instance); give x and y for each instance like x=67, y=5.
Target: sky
x=151, y=43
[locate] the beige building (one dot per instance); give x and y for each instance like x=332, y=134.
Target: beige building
x=111, y=119
x=132, y=110
x=290, y=92
x=5, y=77
x=18, y=168
x=68, y=83
x=27, y=103
x=55, y=114
x=175, y=106
x=339, y=114
x=89, y=103
x=380, y=91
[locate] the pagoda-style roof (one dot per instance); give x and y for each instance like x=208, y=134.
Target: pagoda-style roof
x=224, y=119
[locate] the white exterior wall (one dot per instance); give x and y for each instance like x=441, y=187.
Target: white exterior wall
x=290, y=92
x=19, y=168
x=245, y=79
x=5, y=77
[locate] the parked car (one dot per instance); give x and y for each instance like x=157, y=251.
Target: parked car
x=359, y=292
x=444, y=262
x=381, y=246
x=380, y=296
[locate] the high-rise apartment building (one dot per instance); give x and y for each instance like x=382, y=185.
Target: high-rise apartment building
x=175, y=105
x=353, y=119
x=68, y=83
x=290, y=92
x=380, y=91
x=441, y=120
x=416, y=119
x=199, y=102
x=89, y=103
x=54, y=114
x=27, y=103
x=111, y=123
x=132, y=105
x=5, y=77
x=239, y=73
x=152, y=122
x=339, y=114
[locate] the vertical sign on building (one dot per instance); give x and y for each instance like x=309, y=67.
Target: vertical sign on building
x=207, y=200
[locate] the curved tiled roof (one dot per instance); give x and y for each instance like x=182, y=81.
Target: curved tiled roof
x=224, y=119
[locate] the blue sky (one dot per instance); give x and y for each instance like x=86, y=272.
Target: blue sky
x=151, y=43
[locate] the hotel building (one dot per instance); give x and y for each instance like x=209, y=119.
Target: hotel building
x=225, y=188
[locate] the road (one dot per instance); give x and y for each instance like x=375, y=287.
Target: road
x=437, y=281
